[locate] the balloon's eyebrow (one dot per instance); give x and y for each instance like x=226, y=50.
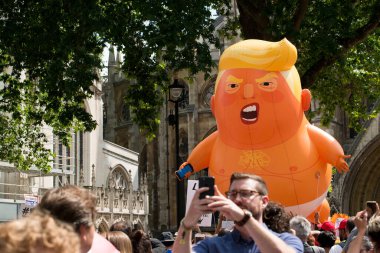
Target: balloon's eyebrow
x=266, y=77
x=233, y=79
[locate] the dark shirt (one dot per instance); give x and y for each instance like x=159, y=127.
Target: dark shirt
x=157, y=246
x=353, y=233
x=312, y=249
x=233, y=242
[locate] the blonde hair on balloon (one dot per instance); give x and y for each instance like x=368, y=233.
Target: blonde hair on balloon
x=263, y=55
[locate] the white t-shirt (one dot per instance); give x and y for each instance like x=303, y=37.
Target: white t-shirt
x=336, y=249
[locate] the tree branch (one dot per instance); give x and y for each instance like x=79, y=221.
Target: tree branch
x=361, y=34
x=363, y=31
x=300, y=13
x=253, y=23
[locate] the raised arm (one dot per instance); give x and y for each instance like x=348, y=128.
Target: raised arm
x=328, y=148
x=199, y=158
x=198, y=207
x=361, y=223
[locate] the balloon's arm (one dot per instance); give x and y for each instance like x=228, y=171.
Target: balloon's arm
x=328, y=148
x=199, y=158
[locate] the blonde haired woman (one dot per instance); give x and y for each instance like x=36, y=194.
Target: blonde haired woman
x=120, y=240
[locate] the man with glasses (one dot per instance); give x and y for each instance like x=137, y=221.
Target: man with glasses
x=245, y=203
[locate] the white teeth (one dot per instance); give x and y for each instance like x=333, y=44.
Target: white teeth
x=251, y=108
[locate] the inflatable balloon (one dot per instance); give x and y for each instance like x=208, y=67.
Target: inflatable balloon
x=259, y=109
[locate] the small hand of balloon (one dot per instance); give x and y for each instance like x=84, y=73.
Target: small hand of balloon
x=341, y=164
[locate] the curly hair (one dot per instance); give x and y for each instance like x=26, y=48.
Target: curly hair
x=141, y=242
x=276, y=218
x=36, y=233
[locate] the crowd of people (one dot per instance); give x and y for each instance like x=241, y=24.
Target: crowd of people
x=64, y=222
x=265, y=226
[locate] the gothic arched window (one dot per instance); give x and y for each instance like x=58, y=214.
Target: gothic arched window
x=119, y=179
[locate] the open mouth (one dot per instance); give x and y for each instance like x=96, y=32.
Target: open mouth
x=249, y=114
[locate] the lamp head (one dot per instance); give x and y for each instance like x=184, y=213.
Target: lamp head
x=176, y=90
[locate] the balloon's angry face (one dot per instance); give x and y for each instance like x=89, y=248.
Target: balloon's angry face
x=255, y=106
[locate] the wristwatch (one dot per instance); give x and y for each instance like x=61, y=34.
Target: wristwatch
x=246, y=217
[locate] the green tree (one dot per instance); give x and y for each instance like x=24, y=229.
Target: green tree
x=50, y=51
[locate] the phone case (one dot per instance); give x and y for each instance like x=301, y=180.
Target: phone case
x=206, y=182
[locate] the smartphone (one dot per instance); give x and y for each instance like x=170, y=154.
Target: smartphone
x=372, y=205
x=206, y=182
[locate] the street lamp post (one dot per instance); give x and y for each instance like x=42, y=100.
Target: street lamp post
x=175, y=96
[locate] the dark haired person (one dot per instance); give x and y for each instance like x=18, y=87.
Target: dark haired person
x=276, y=217
x=245, y=203
x=326, y=240
x=140, y=242
x=121, y=226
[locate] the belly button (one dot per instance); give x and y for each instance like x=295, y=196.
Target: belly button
x=222, y=171
x=293, y=168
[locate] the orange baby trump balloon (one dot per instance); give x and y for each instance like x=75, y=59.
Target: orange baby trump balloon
x=259, y=108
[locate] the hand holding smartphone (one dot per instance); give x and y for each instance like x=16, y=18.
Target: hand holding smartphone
x=206, y=182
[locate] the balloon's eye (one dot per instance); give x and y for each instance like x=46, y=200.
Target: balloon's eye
x=268, y=86
x=232, y=87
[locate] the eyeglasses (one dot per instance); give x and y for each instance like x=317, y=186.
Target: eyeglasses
x=244, y=194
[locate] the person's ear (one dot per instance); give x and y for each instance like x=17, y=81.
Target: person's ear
x=83, y=232
x=265, y=200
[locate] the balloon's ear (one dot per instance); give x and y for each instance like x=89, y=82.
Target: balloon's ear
x=212, y=103
x=305, y=99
